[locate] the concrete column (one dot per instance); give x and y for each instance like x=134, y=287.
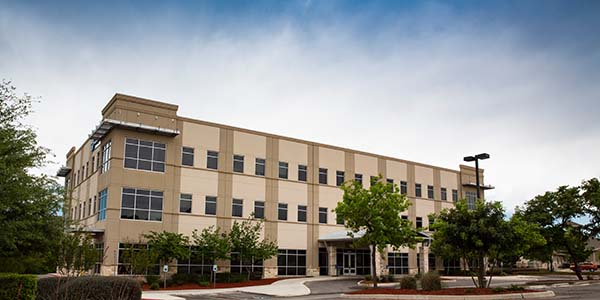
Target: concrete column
x=332, y=260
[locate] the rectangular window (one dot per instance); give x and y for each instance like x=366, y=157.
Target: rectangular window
x=212, y=160
x=259, y=209
x=87, y=169
x=98, y=163
x=323, y=215
x=322, y=176
x=430, y=192
x=418, y=189
x=358, y=178
x=238, y=163
x=291, y=262
x=187, y=156
x=93, y=164
x=106, y=157
x=431, y=220
x=339, y=178
x=403, y=187
x=185, y=203
x=89, y=207
x=301, y=173
x=282, y=210
x=102, y=199
x=404, y=217
x=237, y=207
x=283, y=170
x=210, y=205
x=95, y=205
x=259, y=167
x=301, y=213
x=145, y=155
x=419, y=222
x=444, y=194
x=139, y=204
x=390, y=180
x=454, y=195
x=397, y=263
x=471, y=200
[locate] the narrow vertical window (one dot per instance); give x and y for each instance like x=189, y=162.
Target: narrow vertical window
x=322, y=176
x=212, y=160
x=102, y=199
x=403, y=187
x=430, y=192
x=390, y=180
x=418, y=189
x=237, y=207
x=185, y=203
x=282, y=211
x=283, y=170
x=323, y=215
x=210, y=205
x=301, y=173
x=238, y=163
x=259, y=167
x=187, y=156
x=106, y=157
x=259, y=209
x=339, y=178
x=431, y=220
x=443, y=193
x=454, y=195
x=301, y=213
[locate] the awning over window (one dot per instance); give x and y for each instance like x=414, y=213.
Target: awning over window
x=108, y=124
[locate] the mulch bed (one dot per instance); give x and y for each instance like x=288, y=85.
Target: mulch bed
x=448, y=291
x=193, y=286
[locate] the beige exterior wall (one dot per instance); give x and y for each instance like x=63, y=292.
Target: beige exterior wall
x=226, y=184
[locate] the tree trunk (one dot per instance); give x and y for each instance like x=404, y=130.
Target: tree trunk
x=373, y=266
x=481, y=271
x=578, y=271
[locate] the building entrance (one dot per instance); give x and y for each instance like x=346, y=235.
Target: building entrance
x=349, y=264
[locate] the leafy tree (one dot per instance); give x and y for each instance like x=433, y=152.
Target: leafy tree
x=211, y=244
x=29, y=204
x=77, y=254
x=481, y=237
x=591, y=196
x=245, y=240
x=376, y=213
x=556, y=212
x=137, y=258
x=168, y=246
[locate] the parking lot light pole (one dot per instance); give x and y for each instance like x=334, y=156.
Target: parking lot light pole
x=476, y=158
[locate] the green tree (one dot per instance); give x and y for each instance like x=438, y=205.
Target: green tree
x=168, y=246
x=481, y=237
x=137, y=258
x=591, y=196
x=556, y=212
x=245, y=240
x=211, y=244
x=29, y=204
x=376, y=213
x=77, y=254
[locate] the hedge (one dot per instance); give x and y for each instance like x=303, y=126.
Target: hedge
x=17, y=287
x=89, y=288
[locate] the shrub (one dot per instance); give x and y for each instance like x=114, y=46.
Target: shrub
x=408, y=283
x=203, y=283
x=469, y=291
x=514, y=287
x=498, y=290
x=182, y=278
x=431, y=281
x=390, y=278
x=48, y=288
x=155, y=286
x=382, y=279
x=150, y=279
x=91, y=288
x=368, y=278
x=237, y=277
x=19, y=287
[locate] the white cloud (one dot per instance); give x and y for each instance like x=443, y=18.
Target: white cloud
x=411, y=90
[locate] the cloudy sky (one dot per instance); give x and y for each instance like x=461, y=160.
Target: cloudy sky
x=428, y=81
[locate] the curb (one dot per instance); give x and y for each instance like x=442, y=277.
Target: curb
x=532, y=295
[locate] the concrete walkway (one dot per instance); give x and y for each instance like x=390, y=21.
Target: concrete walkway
x=281, y=288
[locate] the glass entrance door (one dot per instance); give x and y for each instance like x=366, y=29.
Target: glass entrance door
x=349, y=264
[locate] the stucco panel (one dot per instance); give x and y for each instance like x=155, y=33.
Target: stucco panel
x=424, y=176
x=202, y=138
x=397, y=171
x=291, y=236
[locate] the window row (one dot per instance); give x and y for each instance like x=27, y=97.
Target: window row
x=237, y=209
x=100, y=161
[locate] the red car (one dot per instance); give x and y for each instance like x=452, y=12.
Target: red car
x=586, y=266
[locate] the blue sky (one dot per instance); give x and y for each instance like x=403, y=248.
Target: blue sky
x=429, y=81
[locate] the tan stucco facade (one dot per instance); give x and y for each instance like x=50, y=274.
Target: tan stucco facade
x=85, y=181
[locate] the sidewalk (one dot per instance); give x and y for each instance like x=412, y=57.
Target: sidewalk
x=282, y=288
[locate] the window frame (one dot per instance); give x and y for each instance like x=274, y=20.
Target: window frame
x=152, y=162
x=338, y=175
x=430, y=192
x=323, y=175
x=212, y=156
x=187, y=154
x=141, y=192
x=257, y=163
x=259, y=205
x=182, y=199
x=302, y=211
x=282, y=211
x=418, y=190
x=444, y=194
x=235, y=206
x=237, y=161
x=323, y=212
x=302, y=173
x=283, y=167
x=209, y=205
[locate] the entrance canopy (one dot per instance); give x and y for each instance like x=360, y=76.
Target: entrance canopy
x=344, y=236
